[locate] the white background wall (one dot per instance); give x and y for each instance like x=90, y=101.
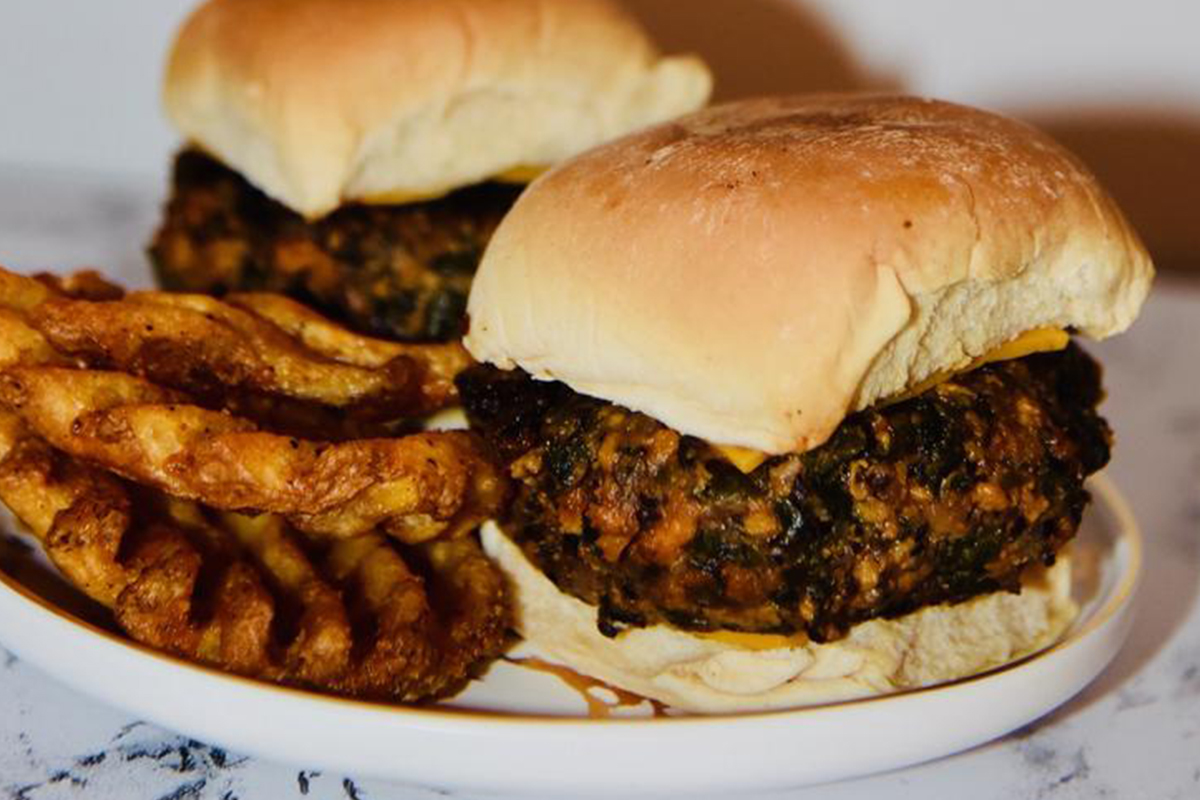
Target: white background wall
x=79, y=82
x=1117, y=81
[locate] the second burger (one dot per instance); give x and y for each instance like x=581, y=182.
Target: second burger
x=358, y=154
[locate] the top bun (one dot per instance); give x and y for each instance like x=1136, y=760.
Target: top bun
x=320, y=101
x=753, y=272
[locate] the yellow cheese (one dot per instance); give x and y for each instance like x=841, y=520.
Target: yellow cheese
x=522, y=173
x=1039, y=340
x=755, y=641
x=401, y=197
x=744, y=458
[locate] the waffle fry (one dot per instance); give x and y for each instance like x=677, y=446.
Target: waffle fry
x=415, y=487
x=250, y=594
x=260, y=355
x=152, y=443
x=442, y=361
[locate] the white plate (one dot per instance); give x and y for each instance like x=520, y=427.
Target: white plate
x=521, y=731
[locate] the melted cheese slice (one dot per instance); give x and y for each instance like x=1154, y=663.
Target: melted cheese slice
x=523, y=173
x=744, y=458
x=1039, y=340
x=755, y=641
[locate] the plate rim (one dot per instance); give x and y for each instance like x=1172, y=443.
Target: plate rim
x=458, y=719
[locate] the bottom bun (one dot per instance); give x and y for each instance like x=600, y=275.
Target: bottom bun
x=703, y=675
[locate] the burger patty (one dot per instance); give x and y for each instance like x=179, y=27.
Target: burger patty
x=938, y=498
x=398, y=271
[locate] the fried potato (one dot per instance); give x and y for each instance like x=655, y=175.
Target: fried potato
x=83, y=285
x=142, y=421
x=443, y=361
x=383, y=587
x=145, y=570
x=261, y=355
x=320, y=649
x=250, y=594
x=21, y=294
x=20, y=344
x=200, y=345
x=415, y=487
x=159, y=447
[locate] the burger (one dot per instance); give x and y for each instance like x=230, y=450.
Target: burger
x=791, y=395
x=358, y=154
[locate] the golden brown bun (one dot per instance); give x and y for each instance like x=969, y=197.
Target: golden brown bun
x=688, y=672
x=752, y=272
x=320, y=101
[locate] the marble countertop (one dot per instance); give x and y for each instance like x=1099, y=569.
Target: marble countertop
x=1134, y=733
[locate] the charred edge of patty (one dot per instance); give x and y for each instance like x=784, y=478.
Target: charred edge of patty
x=939, y=498
x=399, y=271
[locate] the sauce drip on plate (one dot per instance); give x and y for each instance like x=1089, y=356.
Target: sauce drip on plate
x=598, y=707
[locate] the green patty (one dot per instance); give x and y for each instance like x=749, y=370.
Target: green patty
x=396, y=271
x=939, y=498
